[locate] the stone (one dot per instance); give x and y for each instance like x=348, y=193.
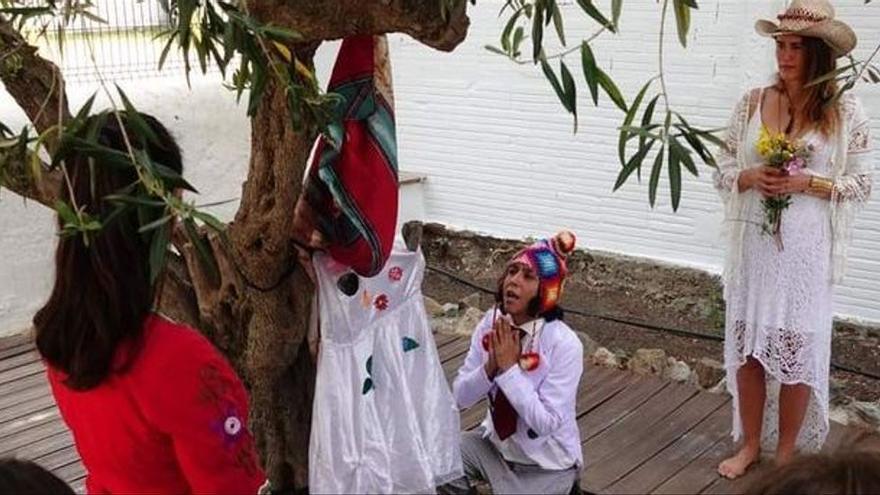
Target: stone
x=605, y=358
x=648, y=361
x=450, y=310
x=720, y=387
x=709, y=372
x=868, y=413
x=677, y=371
x=432, y=307
x=590, y=345
x=466, y=323
x=471, y=301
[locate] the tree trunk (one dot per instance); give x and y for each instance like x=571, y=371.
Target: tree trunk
x=255, y=304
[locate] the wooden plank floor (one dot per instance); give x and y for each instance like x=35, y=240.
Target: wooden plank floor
x=30, y=426
x=640, y=434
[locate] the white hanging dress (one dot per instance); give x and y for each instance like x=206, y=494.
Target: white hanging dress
x=384, y=419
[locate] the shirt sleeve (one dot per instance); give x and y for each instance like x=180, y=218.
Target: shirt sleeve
x=857, y=180
x=471, y=383
x=726, y=176
x=192, y=395
x=546, y=407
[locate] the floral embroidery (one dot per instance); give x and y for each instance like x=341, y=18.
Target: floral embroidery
x=395, y=274
x=216, y=392
x=381, y=302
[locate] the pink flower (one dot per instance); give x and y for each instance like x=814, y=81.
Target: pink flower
x=795, y=165
x=395, y=274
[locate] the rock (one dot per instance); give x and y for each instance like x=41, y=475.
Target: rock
x=471, y=301
x=720, y=387
x=677, y=371
x=466, y=324
x=433, y=308
x=450, y=310
x=839, y=414
x=648, y=361
x=590, y=345
x=868, y=413
x=605, y=358
x=709, y=372
x=835, y=392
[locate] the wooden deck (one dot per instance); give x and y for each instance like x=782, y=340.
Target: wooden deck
x=640, y=434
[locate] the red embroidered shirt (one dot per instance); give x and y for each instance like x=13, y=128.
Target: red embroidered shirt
x=174, y=422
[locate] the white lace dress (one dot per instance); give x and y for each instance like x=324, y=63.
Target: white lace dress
x=779, y=303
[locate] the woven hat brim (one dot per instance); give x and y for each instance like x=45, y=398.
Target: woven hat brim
x=836, y=34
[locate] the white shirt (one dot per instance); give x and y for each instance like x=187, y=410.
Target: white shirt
x=544, y=399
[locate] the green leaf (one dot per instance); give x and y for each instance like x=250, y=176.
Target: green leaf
x=616, y=6
x=505, y=34
x=682, y=19
x=497, y=50
x=570, y=90
x=155, y=224
x=517, y=40
x=634, y=163
x=210, y=221
x=648, y=117
x=537, y=32
x=368, y=385
x=591, y=10
x=136, y=121
x=611, y=89
x=683, y=156
x=206, y=259
x=655, y=176
x=627, y=121
x=159, y=252
x=588, y=63
x=557, y=23
x=674, y=177
x=830, y=75
x=554, y=81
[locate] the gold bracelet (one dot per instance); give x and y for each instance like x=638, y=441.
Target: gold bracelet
x=820, y=186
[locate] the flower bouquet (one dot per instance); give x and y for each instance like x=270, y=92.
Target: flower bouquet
x=791, y=158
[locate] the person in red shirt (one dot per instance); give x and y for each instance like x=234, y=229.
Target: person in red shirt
x=152, y=405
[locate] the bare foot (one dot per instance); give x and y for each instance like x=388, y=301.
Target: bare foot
x=736, y=466
x=784, y=456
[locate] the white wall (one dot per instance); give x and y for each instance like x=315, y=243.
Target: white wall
x=214, y=135
x=500, y=156
x=496, y=147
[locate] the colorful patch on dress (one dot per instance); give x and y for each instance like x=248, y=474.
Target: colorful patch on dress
x=381, y=302
x=395, y=274
x=409, y=344
x=368, y=382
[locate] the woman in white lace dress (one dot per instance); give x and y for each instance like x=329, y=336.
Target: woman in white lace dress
x=778, y=295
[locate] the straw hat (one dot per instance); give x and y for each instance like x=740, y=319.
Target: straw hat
x=812, y=18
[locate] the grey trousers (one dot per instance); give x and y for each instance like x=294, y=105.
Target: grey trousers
x=482, y=462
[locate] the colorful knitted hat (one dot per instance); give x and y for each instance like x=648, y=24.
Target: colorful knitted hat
x=547, y=258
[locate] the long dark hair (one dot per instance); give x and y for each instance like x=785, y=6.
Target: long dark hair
x=818, y=110
x=103, y=290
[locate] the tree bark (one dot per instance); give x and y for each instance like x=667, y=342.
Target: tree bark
x=255, y=306
x=335, y=19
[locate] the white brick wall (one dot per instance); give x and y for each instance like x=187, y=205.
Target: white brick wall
x=501, y=158
x=497, y=147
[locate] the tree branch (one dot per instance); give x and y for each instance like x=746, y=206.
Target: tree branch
x=34, y=82
x=15, y=176
x=319, y=20
x=37, y=86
